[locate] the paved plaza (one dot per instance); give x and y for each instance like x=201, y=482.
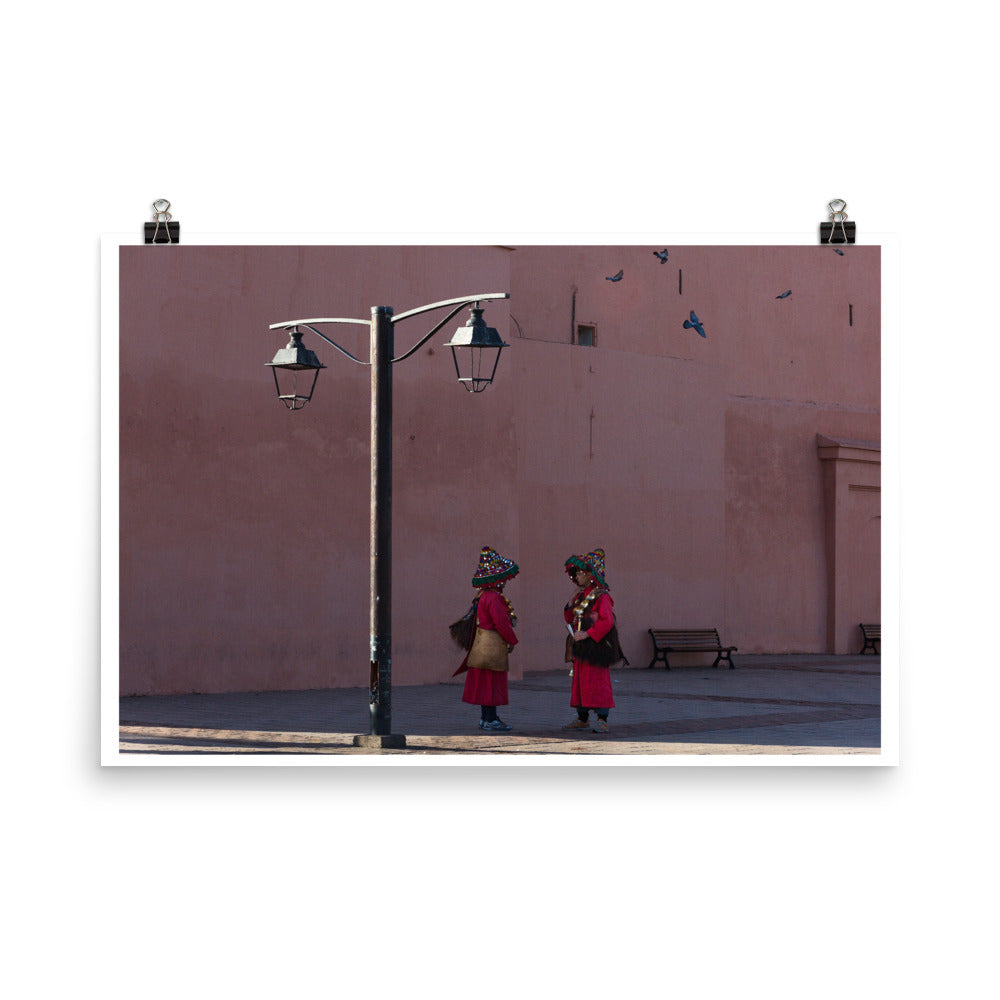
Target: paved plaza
x=768, y=705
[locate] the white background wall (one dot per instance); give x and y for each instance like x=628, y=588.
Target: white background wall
x=635, y=118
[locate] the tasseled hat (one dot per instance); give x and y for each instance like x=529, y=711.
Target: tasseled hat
x=493, y=568
x=592, y=563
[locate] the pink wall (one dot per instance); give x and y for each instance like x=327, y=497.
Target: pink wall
x=853, y=523
x=693, y=462
x=702, y=478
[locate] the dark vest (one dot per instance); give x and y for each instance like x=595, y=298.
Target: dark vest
x=598, y=654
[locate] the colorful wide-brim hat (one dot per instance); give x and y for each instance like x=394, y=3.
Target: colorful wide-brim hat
x=592, y=563
x=493, y=568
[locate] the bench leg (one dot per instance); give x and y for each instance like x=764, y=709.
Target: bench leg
x=659, y=655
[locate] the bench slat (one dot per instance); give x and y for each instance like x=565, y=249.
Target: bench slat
x=671, y=635
x=694, y=644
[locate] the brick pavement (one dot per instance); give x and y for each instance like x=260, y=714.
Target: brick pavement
x=800, y=705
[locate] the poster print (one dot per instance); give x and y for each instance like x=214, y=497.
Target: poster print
x=708, y=417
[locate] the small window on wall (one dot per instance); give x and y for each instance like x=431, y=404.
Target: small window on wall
x=586, y=336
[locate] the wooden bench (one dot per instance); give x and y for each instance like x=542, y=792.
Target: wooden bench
x=873, y=637
x=689, y=640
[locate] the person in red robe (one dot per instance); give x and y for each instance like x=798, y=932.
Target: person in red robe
x=595, y=647
x=487, y=634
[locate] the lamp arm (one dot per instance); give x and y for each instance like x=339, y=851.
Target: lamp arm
x=459, y=304
x=307, y=323
x=420, y=343
x=463, y=301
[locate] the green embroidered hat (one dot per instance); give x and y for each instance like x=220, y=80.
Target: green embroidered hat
x=493, y=568
x=592, y=563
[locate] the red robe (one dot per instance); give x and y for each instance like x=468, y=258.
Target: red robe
x=489, y=687
x=592, y=685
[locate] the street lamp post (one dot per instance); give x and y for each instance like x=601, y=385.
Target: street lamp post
x=299, y=368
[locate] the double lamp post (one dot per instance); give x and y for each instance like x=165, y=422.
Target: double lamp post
x=476, y=351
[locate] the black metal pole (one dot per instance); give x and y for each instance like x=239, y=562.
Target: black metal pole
x=381, y=522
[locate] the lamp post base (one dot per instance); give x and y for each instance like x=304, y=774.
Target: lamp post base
x=393, y=741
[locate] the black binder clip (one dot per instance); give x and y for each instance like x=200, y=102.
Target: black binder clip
x=838, y=217
x=162, y=230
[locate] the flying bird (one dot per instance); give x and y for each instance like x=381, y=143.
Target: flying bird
x=662, y=254
x=694, y=324
x=617, y=277
x=784, y=295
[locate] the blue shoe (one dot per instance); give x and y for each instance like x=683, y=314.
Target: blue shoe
x=498, y=726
